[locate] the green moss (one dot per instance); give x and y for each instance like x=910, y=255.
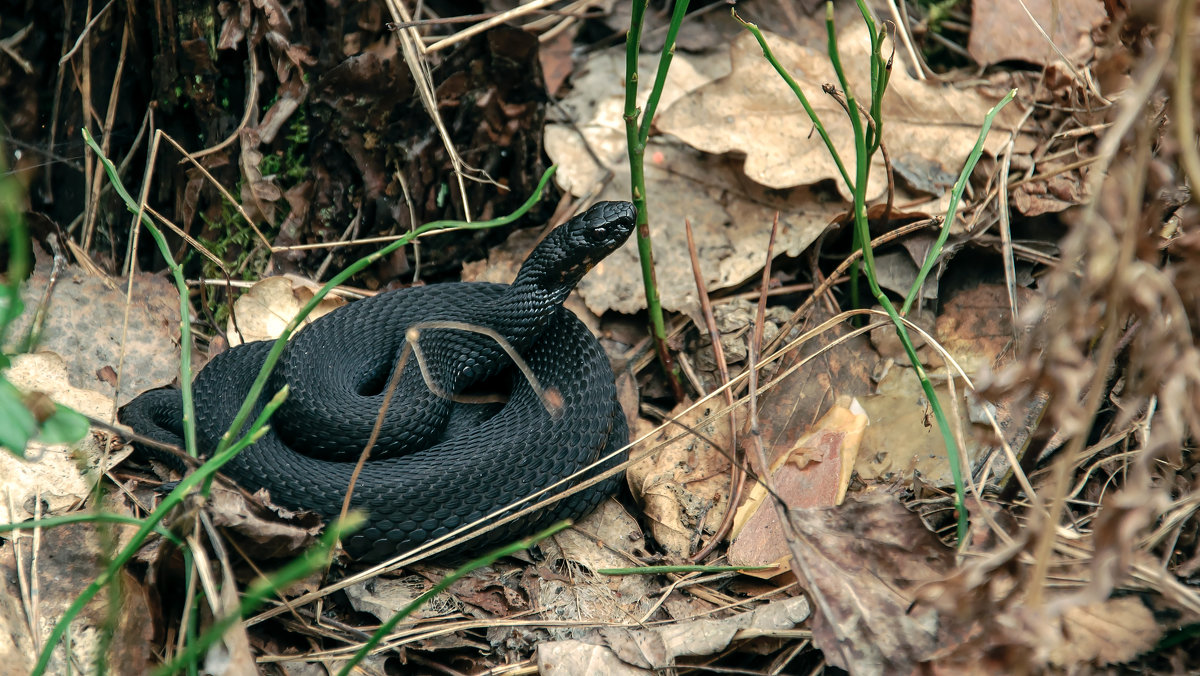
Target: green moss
x=289, y=164
x=230, y=238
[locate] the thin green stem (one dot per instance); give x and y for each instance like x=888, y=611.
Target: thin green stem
x=867, y=140
x=664, y=65
x=17, y=237
x=861, y=224
x=799, y=92
x=636, y=137
x=185, y=322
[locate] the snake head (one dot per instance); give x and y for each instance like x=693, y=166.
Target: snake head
x=565, y=255
x=605, y=226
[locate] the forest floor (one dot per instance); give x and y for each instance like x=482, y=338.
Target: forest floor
x=1016, y=493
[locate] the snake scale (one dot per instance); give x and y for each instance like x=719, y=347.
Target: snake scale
x=437, y=464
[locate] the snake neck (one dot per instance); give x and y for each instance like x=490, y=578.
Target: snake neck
x=550, y=273
x=561, y=260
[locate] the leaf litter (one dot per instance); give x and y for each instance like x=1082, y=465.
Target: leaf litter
x=1083, y=549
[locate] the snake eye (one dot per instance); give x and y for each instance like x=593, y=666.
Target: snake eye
x=596, y=234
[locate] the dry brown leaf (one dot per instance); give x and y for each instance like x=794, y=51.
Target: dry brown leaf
x=1068, y=22
x=822, y=373
x=813, y=473
x=658, y=648
x=731, y=217
x=683, y=486
x=975, y=327
x=646, y=651
x=596, y=539
x=266, y=530
x=383, y=597
x=987, y=626
x=1106, y=632
x=85, y=322
x=609, y=537
x=753, y=112
x=862, y=562
x=70, y=557
x=888, y=344
x=57, y=475
x=903, y=438
x=571, y=657
x=266, y=308
x=1050, y=195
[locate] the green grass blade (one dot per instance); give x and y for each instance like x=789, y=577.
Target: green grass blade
x=955, y=195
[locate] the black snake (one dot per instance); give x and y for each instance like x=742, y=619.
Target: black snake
x=437, y=464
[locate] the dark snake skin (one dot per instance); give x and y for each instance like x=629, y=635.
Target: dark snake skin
x=437, y=464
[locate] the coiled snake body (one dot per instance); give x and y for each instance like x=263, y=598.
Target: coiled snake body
x=437, y=465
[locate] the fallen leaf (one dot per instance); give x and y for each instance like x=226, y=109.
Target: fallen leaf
x=658, y=648
x=266, y=308
x=61, y=477
x=85, y=323
x=828, y=366
x=922, y=118
x=984, y=612
x=813, y=473
x=684, y=485
x=975, y=326
x=903, y=438
x=646, y=651
x=1106, y=632
x=1050, y=195
x=862, y=562
x=68, y=559
x=1069, y=23
x=384, y=597
x=609, y=537
x=570, y=657
x=264, y=529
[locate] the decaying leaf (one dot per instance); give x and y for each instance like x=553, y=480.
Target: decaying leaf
x=862, y=563
x=684, y=486
x=988, y=624
x=265, y=530
x=568, y=587
x=939, y=123
x=644, y=651
x=262, y=312
x=1069, y=23
x=71, y=556
x=85, y=323
x=58, y=476
x=813, y=473
x=1105, y=632
x=904, y=440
